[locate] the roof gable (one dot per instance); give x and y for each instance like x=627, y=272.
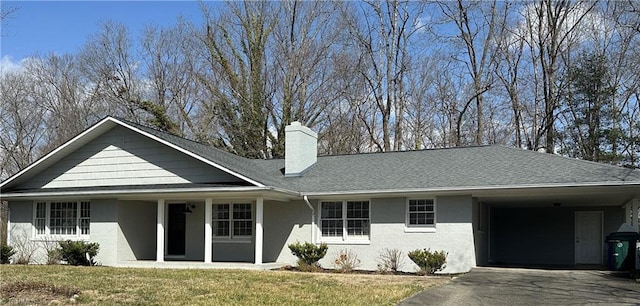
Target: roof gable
x=77, y=169
x=121, y=157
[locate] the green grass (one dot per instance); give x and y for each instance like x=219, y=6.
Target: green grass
x=105, y=285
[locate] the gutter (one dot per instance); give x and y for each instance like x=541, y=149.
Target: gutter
x=142, y=192
x=313, y=218
x=467, y=189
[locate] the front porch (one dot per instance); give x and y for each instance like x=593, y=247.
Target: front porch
x=236, y=231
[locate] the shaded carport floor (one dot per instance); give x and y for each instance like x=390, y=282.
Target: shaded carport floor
x=511, y=286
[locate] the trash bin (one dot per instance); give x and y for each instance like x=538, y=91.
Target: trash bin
x=622, y=250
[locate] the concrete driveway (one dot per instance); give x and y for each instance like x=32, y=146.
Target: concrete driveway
x=509, y=286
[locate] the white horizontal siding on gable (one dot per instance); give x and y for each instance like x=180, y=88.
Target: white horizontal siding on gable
x=122, y=157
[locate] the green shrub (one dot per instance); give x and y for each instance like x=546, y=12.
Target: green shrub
x=78, y=253
x=308, y=254
x=6, y=251
x=429, y=262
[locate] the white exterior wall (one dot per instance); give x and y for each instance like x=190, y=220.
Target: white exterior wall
x=136, y=232
x=122, y=157
x=284, y=223
x=20, y=231
x=105, y=230
x=453, y=234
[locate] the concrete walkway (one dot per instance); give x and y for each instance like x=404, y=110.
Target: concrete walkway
x=196, y=265
x=509, y=286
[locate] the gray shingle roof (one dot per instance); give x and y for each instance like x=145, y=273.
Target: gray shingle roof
x=466, y=167
x=459, y=168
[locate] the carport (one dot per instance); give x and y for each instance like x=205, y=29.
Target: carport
x=562, y=227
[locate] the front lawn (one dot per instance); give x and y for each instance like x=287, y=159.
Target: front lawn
x=100, y=285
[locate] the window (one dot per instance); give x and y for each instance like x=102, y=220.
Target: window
x=232, y=220
x=40, y=221
x=344, y=220
x=62, y=218
x=421, y=213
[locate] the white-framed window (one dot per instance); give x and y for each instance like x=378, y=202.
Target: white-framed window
x=62, y=219
x=232, y=220
x=345, y=220
x=421, y=214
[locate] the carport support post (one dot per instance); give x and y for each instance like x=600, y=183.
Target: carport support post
x=259, y=217
x=160, y=232
x=635, y=213
x=208, y=207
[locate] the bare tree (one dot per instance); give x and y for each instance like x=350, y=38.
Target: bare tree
x=382, y=33
x=476, y=24
x=301, y=50
x=237, y=83
x=172, y=94
x=22, y=123
x=550, y=30
x=111, y=68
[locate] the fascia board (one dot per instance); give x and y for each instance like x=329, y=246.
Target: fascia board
x=467, y=189
x=125, y=192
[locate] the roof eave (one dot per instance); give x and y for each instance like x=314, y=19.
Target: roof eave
x=464, y=189
x=150, y=191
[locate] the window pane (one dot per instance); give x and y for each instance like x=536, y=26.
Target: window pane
x=63, y=218
x=85, y=217
x=358, y=227
x=331, y=228
x=242, y=211
x=358, y=210
x=358, y=218
x=242, y=228
x=221, y=211
x=421, y=212
x=221, y=224
x=331, y=210
x=41, y=218
x=221, y=228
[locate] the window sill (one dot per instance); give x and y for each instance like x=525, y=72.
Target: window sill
x=59, y=238
x=346, y=242
x=426, y=229
x=231, y=240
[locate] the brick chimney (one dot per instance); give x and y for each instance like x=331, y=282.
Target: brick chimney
x=301, y=149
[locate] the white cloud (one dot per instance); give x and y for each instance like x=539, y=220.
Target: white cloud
x=8, y=65
x=581, y=24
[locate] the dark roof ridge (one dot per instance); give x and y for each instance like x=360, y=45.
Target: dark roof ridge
x=409, y=151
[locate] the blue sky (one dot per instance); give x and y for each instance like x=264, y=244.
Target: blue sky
x=42, y=27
